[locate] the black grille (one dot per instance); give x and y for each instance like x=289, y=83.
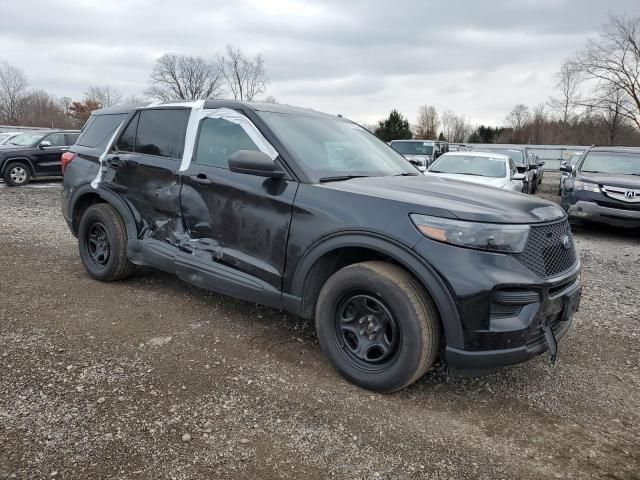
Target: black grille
x=546, y=253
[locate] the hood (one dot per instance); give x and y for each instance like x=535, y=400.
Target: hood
x=14, y=148
x=614, y=180
x=449, y=198
x=488, y=181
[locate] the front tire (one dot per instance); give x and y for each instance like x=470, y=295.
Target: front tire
x=102, y=242
x=16, y=174
x=377, y=326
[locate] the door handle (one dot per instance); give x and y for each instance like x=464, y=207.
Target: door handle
x=202, y=179
x=115, y=162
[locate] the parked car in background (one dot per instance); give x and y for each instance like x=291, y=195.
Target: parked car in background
x=34, y=154
x=6, y=136
x=490, y=169
x=573, y=160
x=518, y=154
x=420, y=153
x=604, y=187
x=537, y=166
x=312, y=214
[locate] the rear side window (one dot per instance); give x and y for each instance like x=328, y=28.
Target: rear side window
x=72, y=138
x=218, y=140
x=161, y=132
x=127, y=141
x=99, y=129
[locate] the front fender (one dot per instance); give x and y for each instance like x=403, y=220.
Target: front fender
x=400, y=253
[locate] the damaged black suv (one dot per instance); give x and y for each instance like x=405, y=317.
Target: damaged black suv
x=310, y=213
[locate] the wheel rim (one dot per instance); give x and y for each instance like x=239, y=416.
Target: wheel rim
x=18, y=174
x=366, y=331
x=98, y=243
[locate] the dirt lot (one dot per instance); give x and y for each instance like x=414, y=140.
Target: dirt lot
x=153, y=379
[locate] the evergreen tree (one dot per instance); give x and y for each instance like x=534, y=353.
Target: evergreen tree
x=395, y=127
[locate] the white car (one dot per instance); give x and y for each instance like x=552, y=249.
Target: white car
x=490, y=169
x=6, y=136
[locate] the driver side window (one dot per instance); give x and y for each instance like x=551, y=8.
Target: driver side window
x=218, y=140
x=56, y=140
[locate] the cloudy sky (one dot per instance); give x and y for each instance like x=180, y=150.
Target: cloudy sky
x=356, y=57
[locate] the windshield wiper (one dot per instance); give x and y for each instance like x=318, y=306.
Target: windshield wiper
x=407, y=174
x=339, y=178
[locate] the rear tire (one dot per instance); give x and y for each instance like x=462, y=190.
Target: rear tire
x=16, y=174
x=102, y=242
x=377, y=326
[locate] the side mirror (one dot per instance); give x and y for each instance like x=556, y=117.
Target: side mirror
x=541, y=163
x=44, y=144
x=532, y=166
x=251, y=162
x=566, y=168
x=518, y=176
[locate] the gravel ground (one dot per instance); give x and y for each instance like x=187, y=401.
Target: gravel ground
x=151, y=378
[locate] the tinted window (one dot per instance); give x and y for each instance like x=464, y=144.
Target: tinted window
x=127, y=141
x=56, y=139
x=72, y=138
x=218, y=140
x=161, y=132
x=99, y=129
x=412, y=148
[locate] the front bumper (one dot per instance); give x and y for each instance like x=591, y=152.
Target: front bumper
x=503, y=307
x=473, y=363
x=615, y=217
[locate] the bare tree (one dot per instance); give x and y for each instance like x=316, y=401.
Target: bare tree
x=39, y=109
x=613, y=60
x=270, y=99
x=184, y=77
x=608, y=107
x=13, y=85
x=105, y=95
x=538, y=124
x=518, y=117
x=427, y=123
x=246, y=77
x=567, y=83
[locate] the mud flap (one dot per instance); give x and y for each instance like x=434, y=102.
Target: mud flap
x=551, y=340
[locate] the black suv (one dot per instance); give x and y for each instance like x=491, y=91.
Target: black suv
x=604, y=187
x=34, y=154
x=312, y=214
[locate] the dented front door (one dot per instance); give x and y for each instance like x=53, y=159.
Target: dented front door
x=240, y=221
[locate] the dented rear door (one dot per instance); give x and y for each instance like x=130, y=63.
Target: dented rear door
x=144, y=170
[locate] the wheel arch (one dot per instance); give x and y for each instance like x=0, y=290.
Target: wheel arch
x=25, y=160
x=339, y=250
x=86, y=195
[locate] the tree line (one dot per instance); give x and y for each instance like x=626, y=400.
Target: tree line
x=173, y=77
x=596, y=100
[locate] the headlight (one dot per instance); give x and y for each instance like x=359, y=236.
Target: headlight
x=484, y=236
x=586, y=186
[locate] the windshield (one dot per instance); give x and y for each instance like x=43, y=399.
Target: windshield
x=26, y=139
x=621, y=163
x=516, y=155
x=412, y=148
x=470, y=165
x=574, y=158
x=326, y=147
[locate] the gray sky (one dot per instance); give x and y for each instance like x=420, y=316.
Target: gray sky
x=356, y=57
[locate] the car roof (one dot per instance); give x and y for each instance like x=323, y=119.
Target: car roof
x=219, y=103
x=477, y=154
x=415, y=140
x=615, y=149
x=499, y=145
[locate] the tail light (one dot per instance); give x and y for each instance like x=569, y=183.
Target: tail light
x=67, y=157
